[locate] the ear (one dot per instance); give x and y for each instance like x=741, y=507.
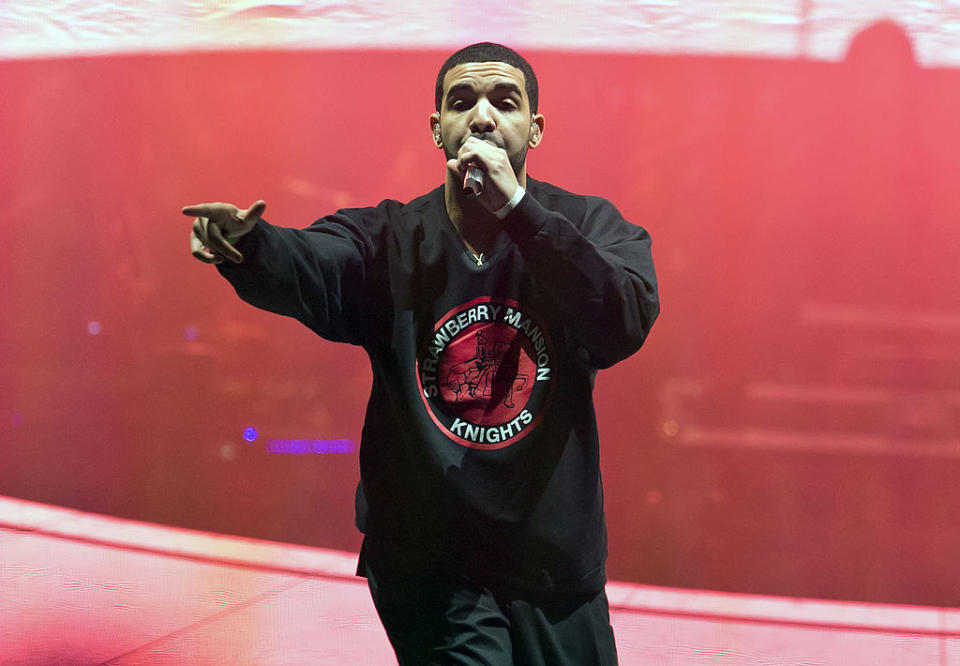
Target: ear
x=435, y=130
x=536, y=130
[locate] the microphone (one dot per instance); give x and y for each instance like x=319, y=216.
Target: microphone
x=473, y=181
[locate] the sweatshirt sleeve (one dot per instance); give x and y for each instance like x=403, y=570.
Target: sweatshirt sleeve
x=316, y=275
x=599, y=272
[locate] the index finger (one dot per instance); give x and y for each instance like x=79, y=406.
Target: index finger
x=197, y=210
x=477, y=141
x=478, y=150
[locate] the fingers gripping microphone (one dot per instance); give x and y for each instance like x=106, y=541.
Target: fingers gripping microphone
x=473, y=180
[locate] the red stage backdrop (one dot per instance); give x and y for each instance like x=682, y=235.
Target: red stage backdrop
x=792, y=426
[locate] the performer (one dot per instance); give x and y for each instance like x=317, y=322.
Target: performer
x=486, y=307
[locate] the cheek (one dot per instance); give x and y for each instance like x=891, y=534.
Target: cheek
x=450, y=132
x=520, y=134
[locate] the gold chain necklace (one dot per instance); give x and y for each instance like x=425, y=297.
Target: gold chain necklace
x=477, y=256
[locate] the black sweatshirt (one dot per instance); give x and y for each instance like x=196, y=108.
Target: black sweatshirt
x=479, y=450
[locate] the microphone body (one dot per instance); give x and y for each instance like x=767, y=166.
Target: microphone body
x=473, y=181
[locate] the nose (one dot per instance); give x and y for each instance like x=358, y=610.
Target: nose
x=483, y=117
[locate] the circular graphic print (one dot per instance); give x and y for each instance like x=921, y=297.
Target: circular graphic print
x=485, y=376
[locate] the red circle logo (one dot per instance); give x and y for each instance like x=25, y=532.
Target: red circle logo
x=485, y=374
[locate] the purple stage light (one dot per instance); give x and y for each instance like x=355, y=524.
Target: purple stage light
x=300, y=446
x=94, y=327
x=250, y=434
x=191, y=333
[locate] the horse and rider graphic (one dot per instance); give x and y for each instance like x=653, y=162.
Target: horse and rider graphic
x=491, y=373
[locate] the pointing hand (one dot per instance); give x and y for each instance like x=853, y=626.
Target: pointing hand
x=216, y=224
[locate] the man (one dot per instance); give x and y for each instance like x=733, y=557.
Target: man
x=486, y=317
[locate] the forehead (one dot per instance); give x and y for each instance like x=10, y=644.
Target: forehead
x=484, y=76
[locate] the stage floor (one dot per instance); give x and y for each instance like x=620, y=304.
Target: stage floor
x=80, y=588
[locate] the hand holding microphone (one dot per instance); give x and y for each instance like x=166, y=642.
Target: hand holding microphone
x=484, y=173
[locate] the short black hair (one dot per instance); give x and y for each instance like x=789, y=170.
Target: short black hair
x=490, y=52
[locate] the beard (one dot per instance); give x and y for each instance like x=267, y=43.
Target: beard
x=517, y=159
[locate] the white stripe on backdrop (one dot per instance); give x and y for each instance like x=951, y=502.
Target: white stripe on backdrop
x=816, y=29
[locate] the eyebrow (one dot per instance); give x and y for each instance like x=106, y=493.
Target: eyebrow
x=503, y=85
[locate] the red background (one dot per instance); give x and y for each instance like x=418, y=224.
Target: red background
x=792, y=426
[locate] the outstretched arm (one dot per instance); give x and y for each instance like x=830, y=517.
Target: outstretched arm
x=315, y=275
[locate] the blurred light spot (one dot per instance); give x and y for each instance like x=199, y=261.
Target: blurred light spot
x=250, y=434
x=191, y=333
x=16, y=420
x=717, y=496
x=653, y=497
x=671, y=428
x=228, y=451
x=94, y=328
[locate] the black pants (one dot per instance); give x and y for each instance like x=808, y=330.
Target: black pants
x=442, y=619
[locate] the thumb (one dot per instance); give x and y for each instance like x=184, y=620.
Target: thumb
x=253, y=213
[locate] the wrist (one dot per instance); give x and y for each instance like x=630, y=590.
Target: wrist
x=504, y=210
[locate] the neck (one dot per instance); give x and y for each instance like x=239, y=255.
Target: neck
x=476, y=225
